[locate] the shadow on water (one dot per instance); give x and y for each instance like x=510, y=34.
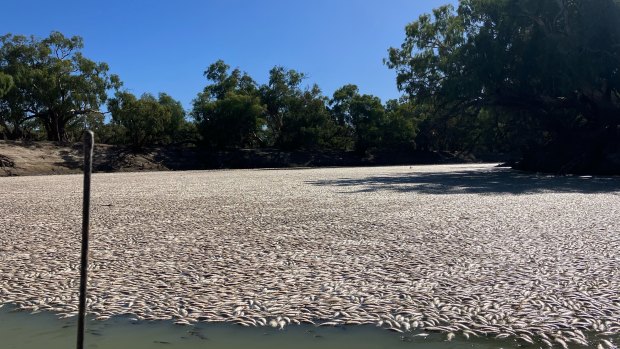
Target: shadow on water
x=21, y=330
x=492, y=182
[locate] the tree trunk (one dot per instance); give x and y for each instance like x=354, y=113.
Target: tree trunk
x=55, y=128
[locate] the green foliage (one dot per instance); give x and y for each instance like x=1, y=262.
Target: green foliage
x=306, y=122
x=110, y=133
x=175, y=125
x=400, y=126
x=187, y=132
x=233, y=111
x=147, y=120
x=298, y=118
x=225, y=82
x=228, y=112
x=6, y=84
x=54, y=83
x=341, y=104
x=91, y=121
x=231, y=122
x=278, y=95
x=367, y=117
x=371, y=124
x=515, y=74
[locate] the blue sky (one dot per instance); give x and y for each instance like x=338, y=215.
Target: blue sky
x=165, y=46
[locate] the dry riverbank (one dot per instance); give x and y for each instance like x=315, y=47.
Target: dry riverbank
x=46, y=158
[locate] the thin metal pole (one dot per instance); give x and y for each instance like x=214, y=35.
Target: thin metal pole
x=89, y=142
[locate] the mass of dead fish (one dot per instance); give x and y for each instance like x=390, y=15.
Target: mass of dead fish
x=327, y=247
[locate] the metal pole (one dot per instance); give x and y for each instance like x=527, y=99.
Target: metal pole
x=89, y=142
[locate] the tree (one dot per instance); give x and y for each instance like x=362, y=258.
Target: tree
x=224, y=82
x=231, y=122
x=175, y=124
x=228, y=112
x=297, y=118
x=283, y=87
x=371, y=124
x=306, y=123
x=400, y=126
x=147, y=120
x=548, y=68
x=341, y=104
x=92, y=121
x=54, y=83
x=367, y=116
x=6, y=84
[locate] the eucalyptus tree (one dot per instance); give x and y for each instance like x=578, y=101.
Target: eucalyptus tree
x=6, y=83
x=53, y=82
x=340, y=104
x=372, y=125
x=368, y=118
x=400, y=126
x=283, y=87
x=146, y=120
x=547, y=72
x=175, y=123
x=297, y=116
x=228, y=112
x=306, y=122
x=225, y=81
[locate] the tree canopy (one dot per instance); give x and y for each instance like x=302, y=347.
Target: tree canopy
x=228, y=112
x=147, y=120
x=6, y=83
x=370, y=123
x=546, y=73
x=297, y=116
x=54, y=83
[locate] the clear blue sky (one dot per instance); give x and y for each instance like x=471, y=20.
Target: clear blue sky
x=165, y=46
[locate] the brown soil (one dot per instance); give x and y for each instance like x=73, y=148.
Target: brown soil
x=44, y=158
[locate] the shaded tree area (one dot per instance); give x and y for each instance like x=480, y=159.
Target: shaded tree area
x=538, y=79
x=371, y=124
x=6, y=83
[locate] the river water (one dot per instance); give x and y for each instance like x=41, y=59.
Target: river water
x=22, y=330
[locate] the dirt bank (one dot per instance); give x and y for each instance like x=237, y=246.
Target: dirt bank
x=44, y=158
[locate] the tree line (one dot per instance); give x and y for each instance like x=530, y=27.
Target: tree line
x=539, y=80
x=51, y=91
